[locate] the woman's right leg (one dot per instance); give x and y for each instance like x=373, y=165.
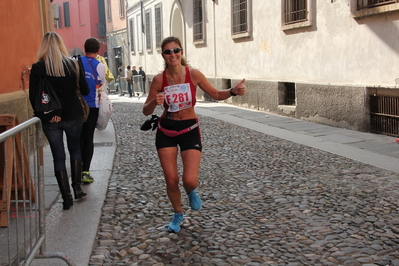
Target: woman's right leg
x=168, y=159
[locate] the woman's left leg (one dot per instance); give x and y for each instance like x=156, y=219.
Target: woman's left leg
x=191, y=163
x=73, y=131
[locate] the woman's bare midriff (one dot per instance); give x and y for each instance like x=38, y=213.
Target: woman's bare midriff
x=185, y=114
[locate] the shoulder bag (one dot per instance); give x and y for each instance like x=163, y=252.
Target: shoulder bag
x=83, y=103
x=47, y=105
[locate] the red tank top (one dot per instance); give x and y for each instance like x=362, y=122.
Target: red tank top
x=179, y=96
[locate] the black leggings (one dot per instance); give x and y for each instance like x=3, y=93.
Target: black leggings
x=87, y=139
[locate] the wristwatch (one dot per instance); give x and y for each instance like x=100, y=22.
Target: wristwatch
x=232, y=92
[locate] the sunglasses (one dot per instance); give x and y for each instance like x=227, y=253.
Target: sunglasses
x=169, y=51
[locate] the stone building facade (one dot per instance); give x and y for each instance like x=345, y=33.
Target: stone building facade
x=320, y=61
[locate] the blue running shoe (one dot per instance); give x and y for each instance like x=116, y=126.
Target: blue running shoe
x=174, y=225
x=195, y=201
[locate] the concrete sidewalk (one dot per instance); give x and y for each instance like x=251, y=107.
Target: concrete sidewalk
x=374, y=149
x=73, y=232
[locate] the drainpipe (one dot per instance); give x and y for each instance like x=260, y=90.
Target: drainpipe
x=44, y=16
x=127, y=34
x=143, y=34
x=214, y=40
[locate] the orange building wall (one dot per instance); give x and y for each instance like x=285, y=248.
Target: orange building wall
x=21, y=33
x=23, y=23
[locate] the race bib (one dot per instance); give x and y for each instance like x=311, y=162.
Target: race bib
x=178, y=97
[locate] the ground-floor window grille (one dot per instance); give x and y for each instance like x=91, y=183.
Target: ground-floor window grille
x=289, y=93
x=295, y=11
x=363, y=4
x=384, y=115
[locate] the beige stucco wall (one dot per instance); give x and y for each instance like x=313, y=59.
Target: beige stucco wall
x=333, y=62
x=342, y=106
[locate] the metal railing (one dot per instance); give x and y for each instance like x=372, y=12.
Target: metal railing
x=22, y=207
x=139, y=88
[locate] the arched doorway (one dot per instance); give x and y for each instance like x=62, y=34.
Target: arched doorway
x=75, y=51
x=177, y=24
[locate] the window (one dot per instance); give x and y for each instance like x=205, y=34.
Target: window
x=67, y=20
x=296, y=13
x=158, y=25
x=121, y=8
x=148, y=29
x=198, y=21
x=362, y=8
x=361, y=4
x=241, y=18
x=139, y=30
x=56, y=12
x=109, y=14
x=287, y=93
x=289, y=98
x=131, y=35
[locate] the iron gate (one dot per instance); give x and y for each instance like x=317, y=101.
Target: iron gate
x=384, y=115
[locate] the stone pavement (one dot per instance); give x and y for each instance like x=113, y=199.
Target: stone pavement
x=275, y=191
x=267, y=199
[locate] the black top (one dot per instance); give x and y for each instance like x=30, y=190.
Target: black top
x=64, y=87
x=142, y=73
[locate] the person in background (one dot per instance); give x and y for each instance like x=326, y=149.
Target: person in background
x=175, y=89
x=95, y=77
x=135, y=73
x=119, y=82
x=142, y=73
x=135, y=80
x=60, y=71
x=129, y=80
x=108, y=74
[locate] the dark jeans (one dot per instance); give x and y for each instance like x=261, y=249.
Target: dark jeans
x=55, y=135
x=129, y=89
x=120, y=87
x=143, y=86
x=87, y=140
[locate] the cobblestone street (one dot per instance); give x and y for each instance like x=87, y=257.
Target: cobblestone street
x=266, y=201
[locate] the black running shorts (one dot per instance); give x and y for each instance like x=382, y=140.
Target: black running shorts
x=186, y=141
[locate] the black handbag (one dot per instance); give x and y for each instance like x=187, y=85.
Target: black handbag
x=47, y=105
x=150, y=123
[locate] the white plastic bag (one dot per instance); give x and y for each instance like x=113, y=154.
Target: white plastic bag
x=105, y=111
